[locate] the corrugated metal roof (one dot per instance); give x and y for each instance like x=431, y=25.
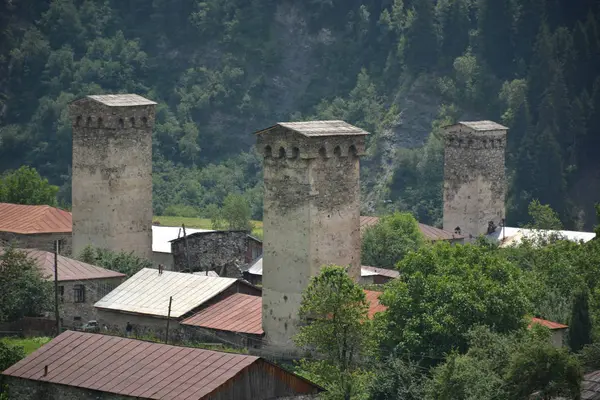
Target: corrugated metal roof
x=67, y=268
x=374, y=305
x=590, y=386
x=508, y=236
x=237, y=313
x=206, y=273
x=163, y=235
x=548, y=324
x=430, y=232
x=121, y=100
x=24, y=219
x=320, y=128
x=130, y=367
x=482, y=126
x=366, y=271
x=148, y=292
x=256, y=268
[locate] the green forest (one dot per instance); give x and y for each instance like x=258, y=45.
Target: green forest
x=401, y=69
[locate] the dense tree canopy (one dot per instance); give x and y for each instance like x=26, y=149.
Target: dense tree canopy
x=26, y=186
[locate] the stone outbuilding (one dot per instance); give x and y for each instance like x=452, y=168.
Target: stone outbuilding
x=143, y=300
x=36, y=227
x=87, y=366
x=80, y=285
x=228, y=253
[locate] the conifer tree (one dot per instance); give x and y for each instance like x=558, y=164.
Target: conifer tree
x=580, y=326
x=495, y=21
x=422, y=46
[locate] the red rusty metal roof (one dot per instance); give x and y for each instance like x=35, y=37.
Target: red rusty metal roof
x=67, y=268
x=548, y=324
x=140, y=369
x=374, y=305
x=236, y=313
x=430, y=232
x=23, y=219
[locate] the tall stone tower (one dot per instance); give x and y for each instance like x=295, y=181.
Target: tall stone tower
x=474, y=177
x=311, y=213
x=112, y=173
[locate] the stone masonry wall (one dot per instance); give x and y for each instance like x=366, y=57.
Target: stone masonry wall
x=311, y=218
x=75, y=314
x=24, y=389
x=474, y=180
x=41, y=241
x=112, y=176
x=217, y=251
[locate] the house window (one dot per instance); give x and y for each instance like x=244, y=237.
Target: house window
x=79, y=294
x=61, y=294
x=104, y=289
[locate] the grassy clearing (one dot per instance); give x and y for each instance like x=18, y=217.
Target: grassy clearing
x=201, y=223
x=29, y=345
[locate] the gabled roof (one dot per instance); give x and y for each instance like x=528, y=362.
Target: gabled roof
x=24, y=219
x=163, y=235
x=390, y=273
x=481, y=126
x=590, y=386
x=145, y=370
x=548, y=324
x=507, y=236
x=239, y=312
x=319, y=128
x=148, y=292
x=67, y=268
x=121, y=100
x=430, y=232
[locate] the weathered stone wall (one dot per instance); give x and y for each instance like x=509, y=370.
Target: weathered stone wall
x=144, y=326
x=112, y=176
x=41, y=241
x=474, y=180
x=311, y=218
x=75, y=314
x=24, y=389
x=224, y=252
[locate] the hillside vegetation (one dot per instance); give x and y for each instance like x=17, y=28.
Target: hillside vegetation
x=222, y=69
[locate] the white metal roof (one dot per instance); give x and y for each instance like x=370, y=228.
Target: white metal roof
x=206, y=273
x=121, y=100
x=162, y=236
x=508, y=236
x=320, y=128
x=483, y=125
x=257, y=269
x=148, y=292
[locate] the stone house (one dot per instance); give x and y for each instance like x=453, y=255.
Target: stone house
x=114, y=368
x=558, y=331
x=143, y=300
x=35, y=227
x=80, y=285
x=228, y=253
x=161, y=243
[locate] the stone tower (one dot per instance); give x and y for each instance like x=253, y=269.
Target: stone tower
x=311, y=213
x=112, y=173
x=474, y=177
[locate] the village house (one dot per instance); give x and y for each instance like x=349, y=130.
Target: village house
x=228, y=253
x=144, y=300
x=161, y=243
x=558, y=331
x=80, y=285
x=35, y=227
x=78, y=365
x=430, y=233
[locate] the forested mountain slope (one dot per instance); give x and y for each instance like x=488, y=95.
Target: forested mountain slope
x=221, y=69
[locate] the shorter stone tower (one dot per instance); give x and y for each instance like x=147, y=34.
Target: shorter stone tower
x=311, y=213
x=112, y=173
x=474, y=177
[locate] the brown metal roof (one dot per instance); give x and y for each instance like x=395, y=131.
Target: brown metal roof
x=23, y=219
x=320, y=128
x=430, y=232
x=374, y=305
x=67, y=268
x=136, y=368
x=548, y=324
x=236, y=313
